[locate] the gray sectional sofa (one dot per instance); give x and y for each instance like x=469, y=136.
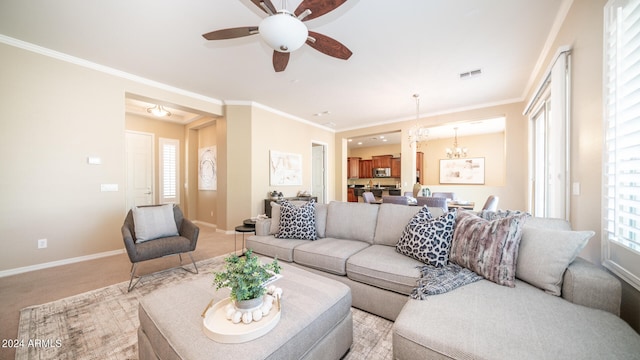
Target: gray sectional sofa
x=483, y=320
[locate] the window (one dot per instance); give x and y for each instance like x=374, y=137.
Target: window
x=621, y=158
x=169, y=167
x=549, y=121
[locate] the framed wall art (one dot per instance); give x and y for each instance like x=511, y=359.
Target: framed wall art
x=462, y=171
x=207, y=168
x=285, y=168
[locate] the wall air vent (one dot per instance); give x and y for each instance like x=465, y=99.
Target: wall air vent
x=470, y=74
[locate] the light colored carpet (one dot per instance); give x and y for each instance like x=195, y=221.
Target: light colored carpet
x=102, y=324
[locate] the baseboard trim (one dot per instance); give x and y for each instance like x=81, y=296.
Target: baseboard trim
x=51, y=264
x=204, y=223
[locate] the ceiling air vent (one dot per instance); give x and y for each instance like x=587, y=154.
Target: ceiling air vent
x=470, y=74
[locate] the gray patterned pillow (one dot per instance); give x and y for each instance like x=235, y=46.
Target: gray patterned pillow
x=297, y=222
x=428, y=239
x=488, y=248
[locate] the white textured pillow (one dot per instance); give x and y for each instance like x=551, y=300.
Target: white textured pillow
x=153, y=222
x=544, y=255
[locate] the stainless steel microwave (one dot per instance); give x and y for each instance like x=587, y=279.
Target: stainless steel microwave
x=382, y=172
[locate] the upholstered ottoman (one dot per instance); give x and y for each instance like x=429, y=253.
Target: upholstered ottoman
x=315, y=322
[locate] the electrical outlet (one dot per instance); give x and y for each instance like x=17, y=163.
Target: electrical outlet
x=42, y=243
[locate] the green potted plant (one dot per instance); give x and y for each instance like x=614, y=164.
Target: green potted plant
x=246, y=277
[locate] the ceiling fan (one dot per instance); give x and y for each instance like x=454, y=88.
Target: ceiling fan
x=284, y=31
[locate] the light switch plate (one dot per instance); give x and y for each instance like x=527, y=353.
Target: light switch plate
x=108, y=187
x=576, y=188
x=94, y=160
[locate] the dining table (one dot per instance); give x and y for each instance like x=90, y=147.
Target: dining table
x=467, y=205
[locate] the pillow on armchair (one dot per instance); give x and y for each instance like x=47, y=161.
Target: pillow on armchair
x=154, y=222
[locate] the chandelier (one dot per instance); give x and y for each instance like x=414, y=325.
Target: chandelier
x=456, y=152
x=418, y=133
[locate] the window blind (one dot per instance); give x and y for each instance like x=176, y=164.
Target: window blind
x=621, y=158
x=169, y=170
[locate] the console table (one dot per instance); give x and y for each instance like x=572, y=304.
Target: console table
x=267, y=202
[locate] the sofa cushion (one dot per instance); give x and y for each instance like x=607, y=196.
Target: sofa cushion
x=297, y=222
x=273, y=247
x=321, y=217
x=545, y=255
x=383, y=267
x=392, y=219
x=483, y=320
x=327, y=254
x=488, y=248
x=352, y=221
x=154, y=222
x=548, y=223
x=428, y=239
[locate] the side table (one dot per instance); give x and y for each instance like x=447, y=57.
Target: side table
x=248, y=226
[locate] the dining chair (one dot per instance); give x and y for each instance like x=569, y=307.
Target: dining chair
x=368, y=197
x=491, y=204
x=431, y=201
x=394, y=199
x=446, y=195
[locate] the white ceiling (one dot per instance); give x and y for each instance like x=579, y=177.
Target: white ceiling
x=399, y=48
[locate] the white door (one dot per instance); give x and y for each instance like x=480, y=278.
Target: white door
x=139, y=163
x=318, y=187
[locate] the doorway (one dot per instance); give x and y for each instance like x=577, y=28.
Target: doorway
x=139, y=169
x=318, y=171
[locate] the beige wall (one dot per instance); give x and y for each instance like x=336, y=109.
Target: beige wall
x=54, y=115
x=272, y=131
x=207, y=199
x=369, y=151
x=487, y=146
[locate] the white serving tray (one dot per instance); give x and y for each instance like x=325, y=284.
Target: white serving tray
x=216, y=326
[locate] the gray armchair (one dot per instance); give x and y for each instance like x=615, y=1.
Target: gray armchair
x=185, y=242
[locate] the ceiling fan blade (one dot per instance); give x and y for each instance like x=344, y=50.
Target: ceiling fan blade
x=317, y=7
x=329, y=46
x=280, y=60
x=231, y=33
x=267, y=3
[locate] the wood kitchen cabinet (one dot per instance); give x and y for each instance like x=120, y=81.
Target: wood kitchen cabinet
x=353, y=167
x=419, y=166
x=366, y=169
x=396, y=167
x=381, y=161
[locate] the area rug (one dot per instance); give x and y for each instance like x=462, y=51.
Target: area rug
x=102, y=324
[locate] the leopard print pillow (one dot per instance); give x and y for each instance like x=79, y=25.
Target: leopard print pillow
x=297, y=222
x=428, y=239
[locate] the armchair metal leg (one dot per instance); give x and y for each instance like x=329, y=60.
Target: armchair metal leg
x=192, y=261
x=133, y=275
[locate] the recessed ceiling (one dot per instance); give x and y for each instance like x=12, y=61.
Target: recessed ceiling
x=468, y=128
x=399, y=48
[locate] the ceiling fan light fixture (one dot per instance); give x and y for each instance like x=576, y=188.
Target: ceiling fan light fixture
x=283, y=31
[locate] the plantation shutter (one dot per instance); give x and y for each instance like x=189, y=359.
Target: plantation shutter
x=621, y=158
x=169, y=171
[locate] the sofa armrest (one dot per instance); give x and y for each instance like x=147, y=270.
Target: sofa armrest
x=190, y=231
x=263, y=227
x=586, y=284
